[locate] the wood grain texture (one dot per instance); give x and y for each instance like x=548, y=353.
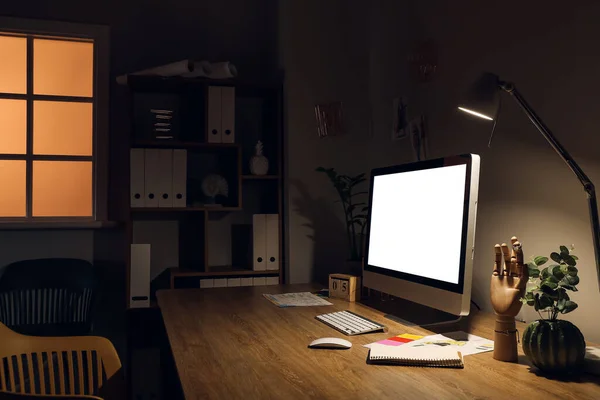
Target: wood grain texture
x=231, y=343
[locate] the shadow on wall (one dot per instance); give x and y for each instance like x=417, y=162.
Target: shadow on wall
x=328, y=232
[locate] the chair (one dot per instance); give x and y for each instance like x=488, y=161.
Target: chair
x=20, y=396
x=65, y=366
x=48, y=297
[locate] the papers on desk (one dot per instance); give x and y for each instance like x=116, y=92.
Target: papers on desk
x=592, y=360
x=302, y=299
x=464, y=342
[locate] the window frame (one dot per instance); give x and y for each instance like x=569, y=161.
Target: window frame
x=99, y=34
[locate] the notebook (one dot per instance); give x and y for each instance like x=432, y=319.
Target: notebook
x=415, y=356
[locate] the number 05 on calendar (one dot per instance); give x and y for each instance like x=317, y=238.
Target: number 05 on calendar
x=346, y=287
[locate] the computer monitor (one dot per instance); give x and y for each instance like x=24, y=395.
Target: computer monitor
x=420, y=235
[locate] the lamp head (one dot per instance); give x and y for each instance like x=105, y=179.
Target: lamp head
x=482, y=98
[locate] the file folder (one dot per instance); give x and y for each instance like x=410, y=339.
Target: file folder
x=259, y=281
x=179, y=178
x=259, y=240
x=165, y=178
x=151, y=173
x=213, y=113
x=272, y=280
x=139, y=276
x=228, y=114
x=234, y=282
x=246, y=282
x=272, y=241
x=136, y=177
x=221, y=282
x=207, y=283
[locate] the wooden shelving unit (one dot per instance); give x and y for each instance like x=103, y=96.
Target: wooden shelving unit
x=199, y=226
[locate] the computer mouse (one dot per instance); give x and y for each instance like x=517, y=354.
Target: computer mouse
x=330, y=343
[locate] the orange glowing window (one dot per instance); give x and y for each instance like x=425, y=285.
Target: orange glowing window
x=62, y=128
x=62, y=188
x=13, y=64
x=63, y=68
x=47, y=131
x=12, y=188
x=13, y=126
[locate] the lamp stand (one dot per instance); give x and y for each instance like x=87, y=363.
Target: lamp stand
x=588, y=186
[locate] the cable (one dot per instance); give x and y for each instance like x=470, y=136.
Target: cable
x=476, y=305
x=495, y=121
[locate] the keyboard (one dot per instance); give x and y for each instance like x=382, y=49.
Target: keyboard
x=349, y=323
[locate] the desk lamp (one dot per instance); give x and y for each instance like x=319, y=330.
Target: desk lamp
x=483, y=101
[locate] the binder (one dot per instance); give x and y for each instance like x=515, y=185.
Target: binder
x=246, y=281
x=207, y=283
x=165, y=178
x=179, y=177
x=213, y=127
x=234, y=282
x=272, y=241
x=272, y=280
x=259, y=240
x=139, y=276
x=136, y=177
x=228, y=114
x=259, y=281
x=221, y=282
x=151, y=172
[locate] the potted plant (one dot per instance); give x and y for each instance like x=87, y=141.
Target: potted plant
x=551, y=344
x=349, y=192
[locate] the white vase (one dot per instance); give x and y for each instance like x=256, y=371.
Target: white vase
x=259, y=164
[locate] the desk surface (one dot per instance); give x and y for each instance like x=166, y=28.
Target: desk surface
x=231, y=343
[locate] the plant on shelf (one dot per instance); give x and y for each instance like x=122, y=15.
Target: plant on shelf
x=348, y=190
x=551, y=344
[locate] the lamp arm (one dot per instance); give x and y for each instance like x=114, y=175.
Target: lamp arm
x=588, y=186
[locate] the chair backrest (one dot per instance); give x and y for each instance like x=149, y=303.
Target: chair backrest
x=48, y=297
x=80, y=365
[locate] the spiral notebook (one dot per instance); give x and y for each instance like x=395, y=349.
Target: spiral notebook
x=416, y=356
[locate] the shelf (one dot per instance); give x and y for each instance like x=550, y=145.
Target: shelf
x=260, y=177
x=169, y=144
x=50, y=225
x=220, y=271
x=182, y=209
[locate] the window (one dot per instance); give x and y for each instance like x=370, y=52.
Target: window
x=53, y=119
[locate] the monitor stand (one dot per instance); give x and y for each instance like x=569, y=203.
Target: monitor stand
x=409, y=313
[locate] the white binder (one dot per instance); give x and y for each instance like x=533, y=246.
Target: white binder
x=221, y=282
x=179, y=177
x=151, y=172
x=234, y=282
x=136, y=177
x=207, y=283
x=139, y=276
x=272, y=280
x=165, y=178
x=246, y=281
x=259, y=233
x=228, y=114
x=213, y=113
x=272, y=241
x=259, y=281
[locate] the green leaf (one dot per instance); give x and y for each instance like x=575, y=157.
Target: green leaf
x=528, y=299
x=571, y=280
x=564, y=250
x=569, y=260
x=545, y=301
x=540, y=260
x=545, y=273
x=548, y=290
x=557, y=272
x=533, y=272
x=574, y=257
x=555, y=257
x=569, y=306
x=569, y=270
x=562, y=299
x=536, y=302
x=568, y=287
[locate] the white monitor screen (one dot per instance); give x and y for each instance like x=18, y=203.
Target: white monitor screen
x=416, y=222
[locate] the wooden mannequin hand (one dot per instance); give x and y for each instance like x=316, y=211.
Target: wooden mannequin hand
x=508, y=281
x=507, y=287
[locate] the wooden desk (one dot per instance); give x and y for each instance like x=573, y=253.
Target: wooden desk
x=231, y=343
